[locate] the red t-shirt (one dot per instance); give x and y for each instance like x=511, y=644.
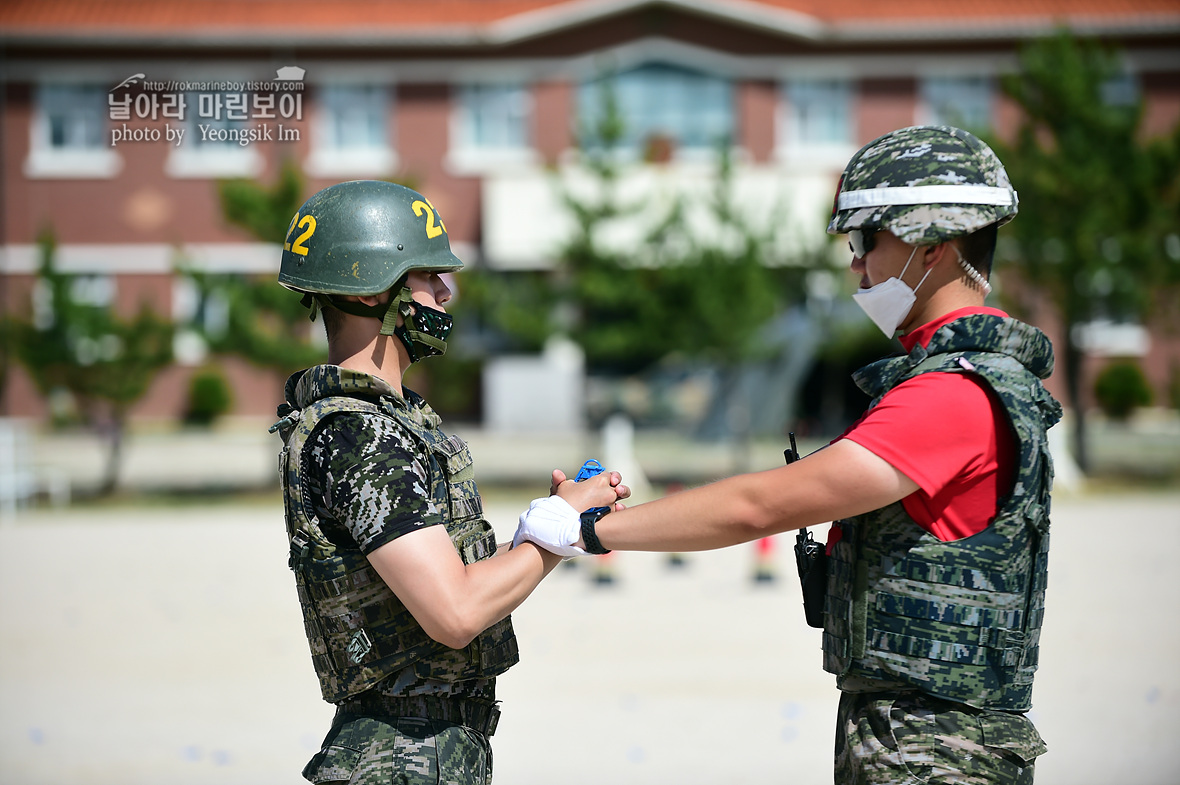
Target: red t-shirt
x=949, y=434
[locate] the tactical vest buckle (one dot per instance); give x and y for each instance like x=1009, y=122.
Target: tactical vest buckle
x=299, y=548
x=287, y=416
x=1011, y=646
x=1018, y=646
x=492, y=721
x=359, y=646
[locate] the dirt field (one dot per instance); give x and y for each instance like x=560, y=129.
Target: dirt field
x=162, y=645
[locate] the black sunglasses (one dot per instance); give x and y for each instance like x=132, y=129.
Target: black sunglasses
x=861, y=241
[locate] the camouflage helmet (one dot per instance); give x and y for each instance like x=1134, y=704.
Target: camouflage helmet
x=361, y=237
x=925, y=184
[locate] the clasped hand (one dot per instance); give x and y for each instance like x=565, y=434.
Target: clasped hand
x=554, y=523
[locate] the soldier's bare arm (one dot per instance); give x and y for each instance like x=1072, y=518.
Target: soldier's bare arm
x=839, y=481
x=454, y=601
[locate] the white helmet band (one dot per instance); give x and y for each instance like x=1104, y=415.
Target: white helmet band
x=925, y=194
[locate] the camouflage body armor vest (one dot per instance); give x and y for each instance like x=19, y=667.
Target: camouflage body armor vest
x=359, y=631
x=958, y=620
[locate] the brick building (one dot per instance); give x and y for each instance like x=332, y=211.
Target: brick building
x=474, y=102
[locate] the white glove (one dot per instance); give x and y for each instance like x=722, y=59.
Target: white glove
x=553, y=524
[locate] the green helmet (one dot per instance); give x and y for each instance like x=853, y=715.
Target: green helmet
x=925, y=184
x=361, y=237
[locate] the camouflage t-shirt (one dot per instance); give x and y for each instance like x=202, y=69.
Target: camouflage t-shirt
x=367, y=483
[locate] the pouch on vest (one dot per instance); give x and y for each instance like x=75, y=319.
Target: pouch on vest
x=1014, y=735
x=810, y=560
x=812, y=564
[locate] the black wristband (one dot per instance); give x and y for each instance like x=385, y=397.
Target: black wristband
x=589, y=538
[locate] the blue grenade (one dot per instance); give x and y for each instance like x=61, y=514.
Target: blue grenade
x=589, y=469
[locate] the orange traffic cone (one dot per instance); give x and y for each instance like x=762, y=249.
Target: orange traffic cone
x=604, y=569
x=764, y=561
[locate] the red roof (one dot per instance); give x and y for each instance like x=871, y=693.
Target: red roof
x=498, y=21
x=187, y=14
x=942, y=10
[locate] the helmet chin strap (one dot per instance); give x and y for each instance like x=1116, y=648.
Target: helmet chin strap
x=399, y=304
x=313, y=301
x=423, y=331
x=418, y=344
x=317, y=302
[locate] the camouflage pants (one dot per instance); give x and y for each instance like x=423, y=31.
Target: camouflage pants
x=401, y=751
x=909, y=738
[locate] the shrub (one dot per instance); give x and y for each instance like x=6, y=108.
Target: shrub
x=208, y=397
x=1121, y=388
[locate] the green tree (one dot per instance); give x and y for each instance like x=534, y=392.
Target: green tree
x=1099, y=202
x=263, y=212
x=681, y=291
x=264, y=323
x=107, y=363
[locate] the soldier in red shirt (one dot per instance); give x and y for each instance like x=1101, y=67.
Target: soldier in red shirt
x=935, y=569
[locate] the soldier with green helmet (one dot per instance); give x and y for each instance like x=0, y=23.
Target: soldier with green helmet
x=936, y=563
x=405, y=594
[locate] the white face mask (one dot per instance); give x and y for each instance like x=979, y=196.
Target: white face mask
x=889, y=302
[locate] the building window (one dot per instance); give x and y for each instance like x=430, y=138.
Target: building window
x=491, y=126
x=493, y=117
x=660, y=105
x=818, y=112
x=215, y=143
x=353, y=117
x=352, y=131
x=68, y=136
x=1121, y=91
x=75, y=116
x=964, y=102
